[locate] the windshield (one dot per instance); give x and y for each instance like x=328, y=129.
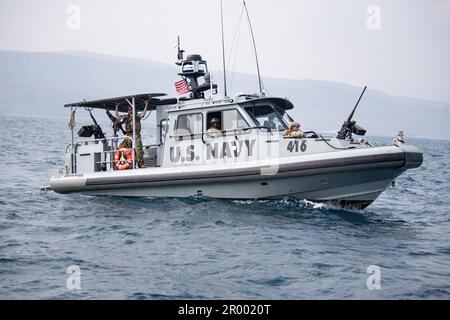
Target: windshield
x=267, y=116
x=287, y=118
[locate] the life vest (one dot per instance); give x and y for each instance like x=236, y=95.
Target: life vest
x=123, y=159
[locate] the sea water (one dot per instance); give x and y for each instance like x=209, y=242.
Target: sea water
x=74, y=246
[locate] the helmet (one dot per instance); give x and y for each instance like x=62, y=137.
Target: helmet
x=215, y=120
x=294, y=124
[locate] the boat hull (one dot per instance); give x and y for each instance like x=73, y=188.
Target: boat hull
x=350, y=178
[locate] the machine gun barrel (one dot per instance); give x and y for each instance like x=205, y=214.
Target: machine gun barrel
x=100, y=133
x=93, y=119
x=357, y=103
x=110, y=116
x=348, y=126
x=117, y=124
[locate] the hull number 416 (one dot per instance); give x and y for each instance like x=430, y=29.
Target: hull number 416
x=294, y=146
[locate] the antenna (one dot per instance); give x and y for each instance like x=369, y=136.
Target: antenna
x=223, y=52
x=254, y=48
x=180, y=52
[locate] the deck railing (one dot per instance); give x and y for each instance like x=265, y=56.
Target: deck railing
x=107, y=162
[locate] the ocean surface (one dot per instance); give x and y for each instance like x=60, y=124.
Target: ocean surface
x=199, y=248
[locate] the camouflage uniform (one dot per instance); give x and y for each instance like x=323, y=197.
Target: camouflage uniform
x=129, y=129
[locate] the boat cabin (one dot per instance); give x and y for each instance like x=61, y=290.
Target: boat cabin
x=191, y=129
x=183, y=135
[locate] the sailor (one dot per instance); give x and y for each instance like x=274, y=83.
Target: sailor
x=214, y=127
x=128, y=120
x=126, y=144
x=294, y=131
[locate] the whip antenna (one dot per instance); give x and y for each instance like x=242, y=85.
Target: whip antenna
x=254, y=48
x=223, y=52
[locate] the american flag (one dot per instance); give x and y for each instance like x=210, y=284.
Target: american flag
x=182, y=87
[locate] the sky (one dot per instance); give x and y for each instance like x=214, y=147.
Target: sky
x=401, y=47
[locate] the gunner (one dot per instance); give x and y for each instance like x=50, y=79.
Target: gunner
x=128, y=119
x=294, y=131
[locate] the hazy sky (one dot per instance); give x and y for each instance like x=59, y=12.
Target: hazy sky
x=401, y=47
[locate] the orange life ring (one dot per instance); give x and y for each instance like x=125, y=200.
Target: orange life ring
x=123, y=159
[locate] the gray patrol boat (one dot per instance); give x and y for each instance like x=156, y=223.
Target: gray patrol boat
x=246, y=157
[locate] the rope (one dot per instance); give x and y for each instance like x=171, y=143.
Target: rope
x=147, y=115
x=71, y=123
x=337, y=148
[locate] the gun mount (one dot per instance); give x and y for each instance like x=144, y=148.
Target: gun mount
x=93, y=129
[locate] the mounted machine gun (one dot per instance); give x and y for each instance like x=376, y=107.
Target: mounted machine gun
x=349, y=126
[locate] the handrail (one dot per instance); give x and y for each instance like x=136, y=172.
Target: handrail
x=257, y=127
x=148, y=146
x=104, y=153
x=222, y=131
x=161, y=128
x=113, y=151
x=103, y=140
x=313, y=135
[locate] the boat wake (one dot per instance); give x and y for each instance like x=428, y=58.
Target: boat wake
x=293, y=204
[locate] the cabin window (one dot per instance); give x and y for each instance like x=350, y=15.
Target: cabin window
x=189, y=124
x=232, y=119
x=266, y=116
x=228, y=119
x=214, y=115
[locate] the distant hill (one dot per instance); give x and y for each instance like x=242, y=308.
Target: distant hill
x=40, y=83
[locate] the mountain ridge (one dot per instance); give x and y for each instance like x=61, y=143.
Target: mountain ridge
x=41, y=82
